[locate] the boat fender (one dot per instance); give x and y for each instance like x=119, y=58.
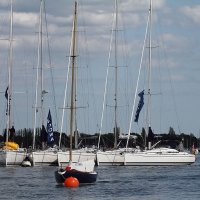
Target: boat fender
x=196, y=152
x=68, y=168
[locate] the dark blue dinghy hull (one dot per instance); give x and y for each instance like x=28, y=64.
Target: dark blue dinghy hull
x=83, y=177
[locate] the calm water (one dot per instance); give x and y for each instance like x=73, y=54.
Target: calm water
x=113, y=183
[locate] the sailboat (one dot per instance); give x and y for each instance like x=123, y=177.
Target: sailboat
x=47, y=157
x=10, y=154
x=114, y=156
x=44, y=157
x=83, y=153
x=161, y=153
x=83, y=171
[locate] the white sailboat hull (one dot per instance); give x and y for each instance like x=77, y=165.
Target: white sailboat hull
x=11, y=158
x=43, y=158
x=153, y=158
x=110, y=158
x=77, y=156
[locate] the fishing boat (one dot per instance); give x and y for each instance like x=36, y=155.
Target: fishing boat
x=10, y=154
x=165, y=151
x=83, y=171
x=46, y=156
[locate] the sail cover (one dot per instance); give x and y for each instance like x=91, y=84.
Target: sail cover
x=43, y=134
x=150, y=135
x=50, y=138
x=140, y=105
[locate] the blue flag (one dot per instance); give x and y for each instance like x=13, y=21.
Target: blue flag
x=49, y=128
x=140, y=105
x=6, y=93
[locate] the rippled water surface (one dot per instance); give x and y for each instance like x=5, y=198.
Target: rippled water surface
x=121, y=182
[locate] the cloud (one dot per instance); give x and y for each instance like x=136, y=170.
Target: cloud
x=190, y=14
x=180, y=36
x=25, y=20
x=175, y=78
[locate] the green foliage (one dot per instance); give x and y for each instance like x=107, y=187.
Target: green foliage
x=24, y=137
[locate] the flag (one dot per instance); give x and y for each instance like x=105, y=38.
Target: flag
x=6, y=93
x=140, y=105
x=8, y=102
x=49, y=128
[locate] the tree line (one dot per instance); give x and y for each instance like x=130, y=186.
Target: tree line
x=24, y=138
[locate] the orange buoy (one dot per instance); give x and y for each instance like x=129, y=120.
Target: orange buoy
x=71, y=182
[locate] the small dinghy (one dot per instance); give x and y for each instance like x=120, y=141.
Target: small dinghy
x=83, y=171
x=26, y=163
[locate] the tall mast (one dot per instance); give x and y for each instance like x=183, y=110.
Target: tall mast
x=39, y=65
x=75, y=106
x=150, y=133
x=149, y=78
x=72, y=86
x=42, y=70
x=10, y=66
x=116, y=69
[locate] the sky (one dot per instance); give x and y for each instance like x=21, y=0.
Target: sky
x=175, y=63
